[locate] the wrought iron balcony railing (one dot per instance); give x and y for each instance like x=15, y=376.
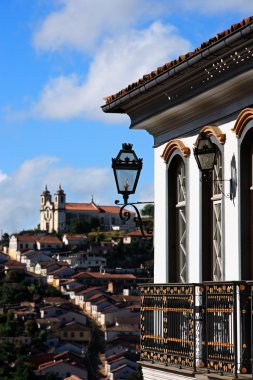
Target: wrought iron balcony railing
x=194, y=326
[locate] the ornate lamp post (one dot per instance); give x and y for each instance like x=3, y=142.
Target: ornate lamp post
x=127, y=168
x=205, y=155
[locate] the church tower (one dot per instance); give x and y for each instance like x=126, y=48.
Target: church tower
x=46, y=211
x=59, y=210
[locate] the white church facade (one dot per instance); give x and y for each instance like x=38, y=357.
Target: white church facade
x=196, y=317
x=56, y=214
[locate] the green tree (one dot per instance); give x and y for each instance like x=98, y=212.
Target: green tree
x=5, y=239
x=79, y=226
x=30, y=327
x=148, y=210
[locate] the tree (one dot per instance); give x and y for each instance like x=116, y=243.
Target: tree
x=79, y=226
x=5, y=239
x=148, y=210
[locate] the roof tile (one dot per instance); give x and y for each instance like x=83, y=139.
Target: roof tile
x=145, y=78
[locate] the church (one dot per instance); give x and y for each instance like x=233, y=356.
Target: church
x=56, y=214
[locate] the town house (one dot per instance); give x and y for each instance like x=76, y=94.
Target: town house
x=196, y=316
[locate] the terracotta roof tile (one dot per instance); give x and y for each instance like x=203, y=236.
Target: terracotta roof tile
x=181, y=58
x=49, y=240
x=112, y=209
x=27, y=238
x=81, y=207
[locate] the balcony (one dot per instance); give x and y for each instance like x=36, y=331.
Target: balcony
x=197, y=329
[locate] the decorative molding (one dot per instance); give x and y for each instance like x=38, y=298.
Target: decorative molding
x=175, y=145
x=211, y=130
x=244, y=117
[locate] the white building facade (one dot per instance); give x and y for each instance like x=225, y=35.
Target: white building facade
x=195, y=317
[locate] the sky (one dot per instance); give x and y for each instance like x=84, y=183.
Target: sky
x=59, y=59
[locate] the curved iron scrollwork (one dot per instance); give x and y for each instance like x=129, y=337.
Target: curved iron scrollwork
x=125, y=216
x=207, y=179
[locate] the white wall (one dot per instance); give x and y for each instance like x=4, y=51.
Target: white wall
x=230, y=209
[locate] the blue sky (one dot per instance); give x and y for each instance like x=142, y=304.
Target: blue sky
x=59, y=58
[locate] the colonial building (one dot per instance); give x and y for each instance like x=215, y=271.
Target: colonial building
x=196, y=317
x=57, y=215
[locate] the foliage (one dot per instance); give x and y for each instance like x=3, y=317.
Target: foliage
x=148, y=210
x=5, y=239
x=79, y=226
x=13, y=365
x=131, y=255
x=15, y=288
x=97, y=236
x=10, y=326
x=14, y=276
x=12, y=293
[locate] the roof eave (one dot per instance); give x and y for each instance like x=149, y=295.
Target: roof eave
x=118, y=105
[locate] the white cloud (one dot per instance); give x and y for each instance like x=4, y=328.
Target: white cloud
x=119, y=61
x=20, y=199
x=214, y=6
x=81, y=24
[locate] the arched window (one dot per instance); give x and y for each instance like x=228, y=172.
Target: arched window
x=177, y=220
x=246, y=196
x=212, y=239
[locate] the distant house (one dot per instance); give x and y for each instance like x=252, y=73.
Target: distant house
x=116, y=331
x=62, y=369
x=33, y=258
x=23, y=242
x=75, y=240
x=135, y=236
x=83, y=260
x=49, y=242
x=14, y=265
x=112, y=281
x=75, y=332
x=119, y=345
x=50, y=323
x=78, y=348
x=72, y=316
x=117, y=361
x=84, y=294
x=20, y=243
x=121, y=372
x=62, y=272
x=50, y=311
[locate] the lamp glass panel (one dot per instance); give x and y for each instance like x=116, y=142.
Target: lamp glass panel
x=206, y=160
x=126, y=179
x=130, y=156
x=205, y=144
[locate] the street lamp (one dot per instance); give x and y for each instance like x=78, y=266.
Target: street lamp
x=205, y=155
x=127, y=168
